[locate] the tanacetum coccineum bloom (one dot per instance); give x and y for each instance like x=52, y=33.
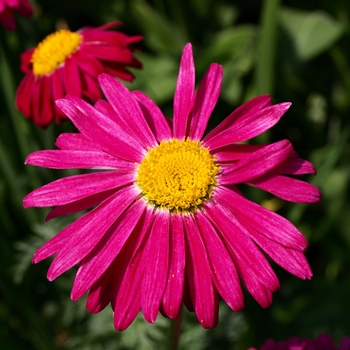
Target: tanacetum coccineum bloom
x=7, y=9
x=169, y=225
x=323, y=342
x=68, y=62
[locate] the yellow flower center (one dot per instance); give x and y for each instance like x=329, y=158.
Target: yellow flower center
x=177, y=175
x=53, y=51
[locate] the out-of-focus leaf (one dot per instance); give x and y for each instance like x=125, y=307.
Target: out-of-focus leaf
x=311, y=32
x=159, y=33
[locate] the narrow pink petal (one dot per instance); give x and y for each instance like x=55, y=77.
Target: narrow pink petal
x=107, y=52
x=248, y=257
x=249, y=127
x=100, y=293
x=47, y=102
x=206, y=99
x=241, y=113
x=79, y=205
x=224, y=272
x=295, y=166
x=154, y=117
x=88, y=63
x=156, y=261
x=173, y=294
x=127, y=299
x=127, y=108
x=184, y=93
x=89, y=229
x=57, y=159
x=234, y=152
x=288, y=188
x=257, y=163
x=58, y=91
x=203, y=292
x=90, y=88
x=71, y=77
x=268, y=223
x=106, y=134
x=100, y=28
x=107, y=249
x=76, y=187
x=118, y=69
x=76, y=142
x=291, y=260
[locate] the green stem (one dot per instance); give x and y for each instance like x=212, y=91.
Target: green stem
x=175, y=331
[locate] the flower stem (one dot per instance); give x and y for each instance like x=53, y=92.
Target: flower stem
x=175, y=331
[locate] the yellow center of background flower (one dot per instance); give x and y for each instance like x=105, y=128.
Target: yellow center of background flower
x=53, y=51
x=177, y=175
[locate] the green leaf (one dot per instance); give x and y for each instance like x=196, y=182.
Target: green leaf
x=311, y=32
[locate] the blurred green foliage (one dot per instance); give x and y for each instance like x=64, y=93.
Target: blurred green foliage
x=297, y=51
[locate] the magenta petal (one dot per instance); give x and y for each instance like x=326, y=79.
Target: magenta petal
x=246, y=128
x=242, y=112
x=127, y=108
x=71, y=77
x=247, y=256
x=107, y=249
x=81, y=204
x=295, y=166
x=105, y=133
x=89, y=229
x=57, y=159
x=203, y=292
x=154, y=117
x=224, y=272
x=100, y=293
x=75, y=142
x=172, y=297
x=73, y=188
x=156, y=261
x=184, y=93
x=206, y=98
x=288, y=188
x=231, y=153
x=268, y=223
x=257, y=163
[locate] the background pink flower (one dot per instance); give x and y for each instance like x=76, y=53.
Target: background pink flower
x=9, y=7
x=68, y=62
x=169, y=225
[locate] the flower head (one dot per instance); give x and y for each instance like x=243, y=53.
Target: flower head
x=322, y=342
x=68, y=62
x=7, y=9
x=169, y=226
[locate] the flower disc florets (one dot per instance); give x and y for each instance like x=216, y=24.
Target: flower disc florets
x=53, y=51
x=177, y=175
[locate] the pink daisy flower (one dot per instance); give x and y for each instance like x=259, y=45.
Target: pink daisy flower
x=323, y=342
x=68, y=62
x=169, y=225
x=7, y=9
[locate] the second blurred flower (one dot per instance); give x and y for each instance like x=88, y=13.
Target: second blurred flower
x=68, y=62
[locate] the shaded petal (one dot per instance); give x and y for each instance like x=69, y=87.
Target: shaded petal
x=241, y=113
x=88, y=63
x=248, y=257
x=248, y=127
x=234, y=152
x=71, y=77
x=184, y=93
x=154, y=117
x=23, y=94
x=257, y=163
x=58, y=91
x=127, y=108
x=224, y=272
x=295, y=166
x=89, y=229
x=174, y=288
x=107, y=249
x=287, y=188
x=203, y=293
x=106, y=134
x=57, y=159
x=80, y=205
x=106, y=52
x=268, y=223
x=291, y=260
x=206, y=99
x=155, y=260
x=73, y=188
